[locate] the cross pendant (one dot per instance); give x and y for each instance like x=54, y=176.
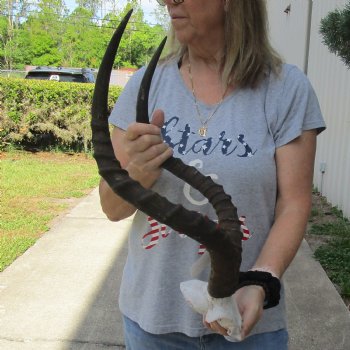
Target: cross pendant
x=202, y=131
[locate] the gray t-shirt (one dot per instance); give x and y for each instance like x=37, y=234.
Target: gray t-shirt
x=237, y=152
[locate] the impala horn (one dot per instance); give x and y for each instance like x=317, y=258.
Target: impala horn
x=222, y=240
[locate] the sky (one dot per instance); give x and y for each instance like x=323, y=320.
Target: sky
x=147, y=5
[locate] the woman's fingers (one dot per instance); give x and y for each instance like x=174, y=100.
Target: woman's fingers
x=158, y=118
x=250, y=317
x=215, y=327
x=250, y=301
x=145, y=150
x=151, y=158
x=142, y=143
x=135, y=130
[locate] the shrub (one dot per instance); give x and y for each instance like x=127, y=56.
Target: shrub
x=46, y=114
x=335, y=30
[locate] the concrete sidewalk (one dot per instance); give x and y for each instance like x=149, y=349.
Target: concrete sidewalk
x=62, y=293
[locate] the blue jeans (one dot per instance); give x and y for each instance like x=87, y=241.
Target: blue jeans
x=137, y=339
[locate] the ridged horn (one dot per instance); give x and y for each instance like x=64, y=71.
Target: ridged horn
x=142, y=98
x=100, y=97
x=223, y=240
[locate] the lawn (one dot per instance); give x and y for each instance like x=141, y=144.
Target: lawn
x=329, y=237
x=34, y=189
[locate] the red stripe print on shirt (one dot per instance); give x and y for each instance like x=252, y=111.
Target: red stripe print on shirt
x=151, y=238
x=157, y=231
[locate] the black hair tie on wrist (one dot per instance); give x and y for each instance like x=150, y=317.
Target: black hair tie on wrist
x=271, y=285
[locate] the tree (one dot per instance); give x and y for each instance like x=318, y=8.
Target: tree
x=52, y=8
x=335, y=30
x=49, y=35
x=45, y=30
x=13, y=10
x=139, y=40
x=80, y=40
x=92, y=6
x=3, y=39
x=162, y=17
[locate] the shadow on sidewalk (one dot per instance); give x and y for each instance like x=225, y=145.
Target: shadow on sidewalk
x=317, y=319
x=101, y=327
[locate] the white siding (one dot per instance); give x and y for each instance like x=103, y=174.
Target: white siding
x=331, y=81
x=289, y=31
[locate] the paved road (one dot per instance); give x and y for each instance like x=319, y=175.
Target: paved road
x=62, y=293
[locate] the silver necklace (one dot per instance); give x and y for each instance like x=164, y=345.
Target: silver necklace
x=202, y=131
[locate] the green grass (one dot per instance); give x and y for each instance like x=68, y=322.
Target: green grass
x=334, y=255
x=34, y=189
x=338, y=228
x=335, y=259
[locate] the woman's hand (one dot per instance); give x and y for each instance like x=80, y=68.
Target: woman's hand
x=141, y=150
x=250, y=301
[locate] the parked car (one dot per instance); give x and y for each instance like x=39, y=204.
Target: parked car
x=75, y=75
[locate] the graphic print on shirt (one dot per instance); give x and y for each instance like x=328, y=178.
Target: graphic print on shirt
x=197, y=163
x=185, y=141
x=158, y=231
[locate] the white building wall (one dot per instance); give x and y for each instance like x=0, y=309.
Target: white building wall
x=331, y=81
x=289, y=29
x=120, y=77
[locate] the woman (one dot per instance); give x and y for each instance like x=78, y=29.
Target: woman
x=223, y=102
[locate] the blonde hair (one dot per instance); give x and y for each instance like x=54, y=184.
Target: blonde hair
x=248, y=54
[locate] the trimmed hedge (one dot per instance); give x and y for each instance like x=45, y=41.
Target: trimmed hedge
x=41, y=114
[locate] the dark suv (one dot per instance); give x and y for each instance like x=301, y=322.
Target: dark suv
x=76, y=75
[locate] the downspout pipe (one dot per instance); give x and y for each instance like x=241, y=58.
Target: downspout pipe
x=308, y=34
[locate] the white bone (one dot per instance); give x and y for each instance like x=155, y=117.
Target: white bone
x=223, y=310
